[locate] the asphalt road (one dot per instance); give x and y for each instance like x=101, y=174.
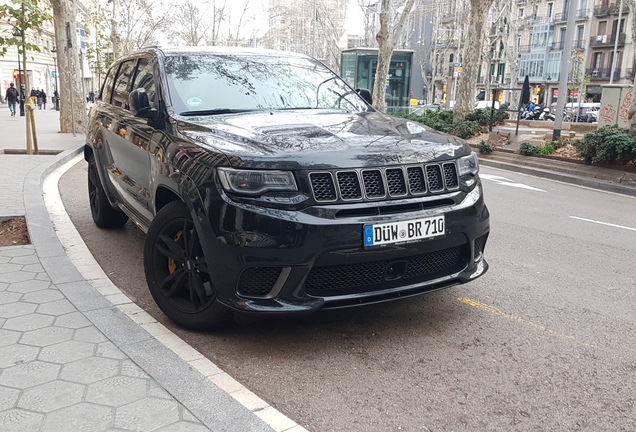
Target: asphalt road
x=543, y=342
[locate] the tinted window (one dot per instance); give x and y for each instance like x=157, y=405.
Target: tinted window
x=250, y=82
x=107, y=89
x=122, y=84
x=144, y=78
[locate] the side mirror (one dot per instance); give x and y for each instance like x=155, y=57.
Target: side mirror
x=366, y=95
x=140, y=105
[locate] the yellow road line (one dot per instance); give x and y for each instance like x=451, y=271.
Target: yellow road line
x=515, y=318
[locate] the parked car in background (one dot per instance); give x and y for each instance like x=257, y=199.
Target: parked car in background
x=421, y=110
x=486, y=104
x=267, y=185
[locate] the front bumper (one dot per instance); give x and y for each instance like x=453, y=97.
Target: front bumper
x=275, y=261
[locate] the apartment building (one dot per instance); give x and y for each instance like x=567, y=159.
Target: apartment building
x=527, y=37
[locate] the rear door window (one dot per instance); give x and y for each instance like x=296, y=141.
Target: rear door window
x=122, y=84
x=107, y=90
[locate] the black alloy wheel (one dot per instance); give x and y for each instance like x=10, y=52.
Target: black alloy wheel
x=104, y=215
x=177, y=271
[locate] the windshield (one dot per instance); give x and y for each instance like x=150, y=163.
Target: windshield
x=218, y=84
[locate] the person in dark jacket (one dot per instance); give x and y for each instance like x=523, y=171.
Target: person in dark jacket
x=41, y=99
x=12, y=98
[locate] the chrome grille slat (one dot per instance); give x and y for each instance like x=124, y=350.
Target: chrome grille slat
x=390, y=182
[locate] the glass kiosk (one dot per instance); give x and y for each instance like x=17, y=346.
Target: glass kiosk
x=358, y=66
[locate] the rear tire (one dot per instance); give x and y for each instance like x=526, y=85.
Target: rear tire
x=177, y=272
x=104, y=214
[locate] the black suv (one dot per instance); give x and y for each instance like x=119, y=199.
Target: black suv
x=266, y=184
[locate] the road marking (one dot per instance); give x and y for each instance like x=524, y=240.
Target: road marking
x=495, y=311
x=507, y=182
x=603, y=223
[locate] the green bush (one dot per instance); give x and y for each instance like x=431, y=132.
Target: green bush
x=528, y=149
x=482, y=116
x=465, y=129
x=474, y=123
x=485, y=147
x=609, y=144
x=546, y=149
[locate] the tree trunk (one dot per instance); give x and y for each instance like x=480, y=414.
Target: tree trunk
x=116, y=38
x=465, y=98
x=631, y=113
x=386, y=44
x=72, y=99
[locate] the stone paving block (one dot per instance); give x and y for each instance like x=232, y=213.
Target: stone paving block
x=57, y=308
x=4, y=259
x=30, y=374
x=33, y=268
x=14, y=354
x=83, y=296
x=24, y=260
x=32, y=321
x=47, y=336
x=89, y=334
x=81, y=417
x=16, y=276
x=8, y=337
x=147, y=414
x=28, y=285
x=18, y=420
x=128, y=368
x=60, y=270
x=18, y=251
x=10, y=268
x=109, y=350
x=8, y=397
x=51, y=396
x=3, y=286
x=9, y=297
x=74, y=320
x=90, y=370
x=184, y=426
x=44, y=296
x=16, y=309
x=117, y=391
x=66, y=352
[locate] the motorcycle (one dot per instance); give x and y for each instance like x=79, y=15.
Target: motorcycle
x=547, y=115
x=531, y=115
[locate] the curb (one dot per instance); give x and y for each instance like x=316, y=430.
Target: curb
x=211, y=395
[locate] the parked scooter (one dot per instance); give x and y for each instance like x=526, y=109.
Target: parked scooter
x=531, y=115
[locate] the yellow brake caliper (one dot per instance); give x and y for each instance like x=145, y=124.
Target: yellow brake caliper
x=172, y=264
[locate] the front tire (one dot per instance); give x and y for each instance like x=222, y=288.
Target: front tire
x=104, y=215
x=177, y=272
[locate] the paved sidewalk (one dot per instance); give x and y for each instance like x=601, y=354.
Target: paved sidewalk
x=75, y=353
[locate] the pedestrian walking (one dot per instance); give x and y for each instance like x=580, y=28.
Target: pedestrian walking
x=34, y=95
x=41, y=99
x=12, y=98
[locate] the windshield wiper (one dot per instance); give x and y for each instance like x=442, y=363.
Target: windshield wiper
x=215, y=111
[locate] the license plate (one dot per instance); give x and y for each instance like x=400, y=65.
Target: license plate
x=397, y=232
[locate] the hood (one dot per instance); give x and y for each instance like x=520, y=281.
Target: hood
x=320, y=139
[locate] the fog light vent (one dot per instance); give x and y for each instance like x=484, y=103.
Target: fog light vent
x=480, y=243
x=258, y=281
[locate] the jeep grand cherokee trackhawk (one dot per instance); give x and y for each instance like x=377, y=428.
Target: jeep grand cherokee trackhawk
x=266, y=184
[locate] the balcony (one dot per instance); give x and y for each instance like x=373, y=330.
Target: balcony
x=581, y=14
x=612, y=9
x=602, y=74
x=604, y=41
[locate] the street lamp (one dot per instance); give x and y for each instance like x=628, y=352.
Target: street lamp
x=56, y=93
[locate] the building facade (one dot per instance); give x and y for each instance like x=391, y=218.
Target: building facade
x=527, y=37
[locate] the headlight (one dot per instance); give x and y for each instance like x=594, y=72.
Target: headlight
x=256, y=182
x=469, y=165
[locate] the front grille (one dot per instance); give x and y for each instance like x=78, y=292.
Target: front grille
x=376, y=183
x=258, y=281
x=351, y=277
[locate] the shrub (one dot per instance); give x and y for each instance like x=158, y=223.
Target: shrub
x=485, y=147
x=482, y=116
x=609, y=144
x=528, y=149
x=546, y=149
x=556, y=144
x=465, y=129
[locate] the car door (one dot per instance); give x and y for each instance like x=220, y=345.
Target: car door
x=127, y=139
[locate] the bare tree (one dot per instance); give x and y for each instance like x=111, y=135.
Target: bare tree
x=193, y=27
x=465, y=102
x=387, y=41
x=73, y=103
x=632, y=110
x=115, y=27
x=369, y=10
